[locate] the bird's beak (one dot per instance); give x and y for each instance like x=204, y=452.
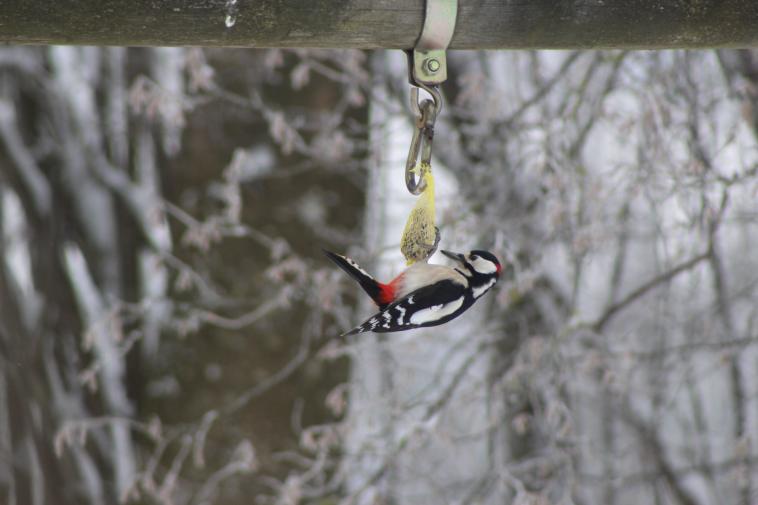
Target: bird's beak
x=454, y=256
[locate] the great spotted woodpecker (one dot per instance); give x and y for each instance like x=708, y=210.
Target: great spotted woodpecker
x=423, y=294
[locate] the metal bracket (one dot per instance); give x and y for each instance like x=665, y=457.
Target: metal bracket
x=426, y=61
x=427, y=69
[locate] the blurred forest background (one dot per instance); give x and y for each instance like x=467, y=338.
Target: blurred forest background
x=168, y=321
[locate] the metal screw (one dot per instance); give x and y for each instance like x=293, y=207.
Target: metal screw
x=432, y=65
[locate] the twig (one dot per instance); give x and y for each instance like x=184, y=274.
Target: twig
x=27, y=167
x=656, y=449
x=614, y=308
x=287, y=370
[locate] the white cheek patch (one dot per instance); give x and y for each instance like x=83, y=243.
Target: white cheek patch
x=480, y=290
x=484, y=266
x=436, y=312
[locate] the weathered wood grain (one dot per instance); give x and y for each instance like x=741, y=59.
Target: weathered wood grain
x=482, y=24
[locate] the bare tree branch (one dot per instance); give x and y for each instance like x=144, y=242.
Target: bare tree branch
x=630, y=298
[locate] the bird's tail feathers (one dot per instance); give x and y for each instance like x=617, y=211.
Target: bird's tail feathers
x=375, y=289
x=357, y=329
x=370, y=324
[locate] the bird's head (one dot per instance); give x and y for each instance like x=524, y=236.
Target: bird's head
x=477, y=263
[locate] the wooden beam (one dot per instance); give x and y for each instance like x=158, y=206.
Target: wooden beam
x=392, y=24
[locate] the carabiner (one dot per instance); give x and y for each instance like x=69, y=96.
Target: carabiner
x=434, y=92
x=423, y=135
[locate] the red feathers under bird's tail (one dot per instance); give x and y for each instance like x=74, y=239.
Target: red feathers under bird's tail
x=382, y=294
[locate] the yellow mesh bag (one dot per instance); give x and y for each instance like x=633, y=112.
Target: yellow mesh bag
x=420, y=236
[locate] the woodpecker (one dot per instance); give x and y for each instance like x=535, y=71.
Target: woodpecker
x=423, y=294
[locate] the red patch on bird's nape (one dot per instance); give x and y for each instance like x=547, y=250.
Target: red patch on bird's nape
x=499, y=267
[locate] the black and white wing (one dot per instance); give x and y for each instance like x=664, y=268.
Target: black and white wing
x=427, y=306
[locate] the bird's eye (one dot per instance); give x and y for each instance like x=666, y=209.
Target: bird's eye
x=474, y=257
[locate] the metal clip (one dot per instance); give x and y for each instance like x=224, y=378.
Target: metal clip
x=420, y=152
x=427, y=69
